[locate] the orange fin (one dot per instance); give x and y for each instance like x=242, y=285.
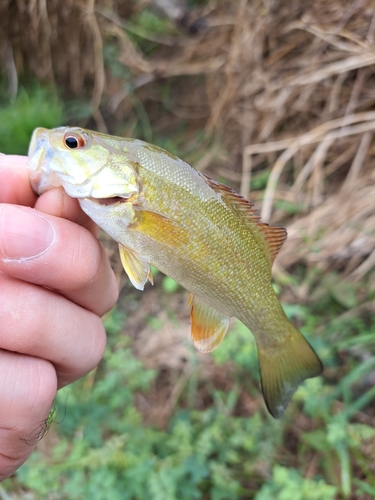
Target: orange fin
x=283, y=367
x=159, y=227
x=274, y=236
x=135, y=267
x=208, y=326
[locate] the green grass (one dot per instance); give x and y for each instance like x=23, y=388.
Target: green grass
x=35, y=107
x=221, y=451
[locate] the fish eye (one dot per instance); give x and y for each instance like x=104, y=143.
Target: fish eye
x=74, y=141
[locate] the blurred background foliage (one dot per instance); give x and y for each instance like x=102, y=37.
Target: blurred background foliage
x=276, y=99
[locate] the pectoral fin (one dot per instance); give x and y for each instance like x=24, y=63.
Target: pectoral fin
x=284, y=367
x=159, y=227
x=135, y=267
x=208, y=326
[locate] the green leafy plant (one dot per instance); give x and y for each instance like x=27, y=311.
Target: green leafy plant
x=35, y=107
x=288, y=483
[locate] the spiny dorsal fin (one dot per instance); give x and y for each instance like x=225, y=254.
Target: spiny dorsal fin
x=273, y=235
x=232, y=198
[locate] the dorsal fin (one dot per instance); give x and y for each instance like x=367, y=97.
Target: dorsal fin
x=232, y=198
x=273, y=235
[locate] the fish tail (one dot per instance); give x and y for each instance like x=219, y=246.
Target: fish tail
x=283, y=366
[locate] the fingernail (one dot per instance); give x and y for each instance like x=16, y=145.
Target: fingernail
x=23, y=233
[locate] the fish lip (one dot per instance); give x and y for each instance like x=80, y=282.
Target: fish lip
x=34, y=165
x=37, y=157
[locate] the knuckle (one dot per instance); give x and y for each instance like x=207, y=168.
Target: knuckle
x=98, y=345
x=26, y=403
x=42, y=387
x=81, y=266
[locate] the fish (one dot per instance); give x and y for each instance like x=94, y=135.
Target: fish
x=209, y=239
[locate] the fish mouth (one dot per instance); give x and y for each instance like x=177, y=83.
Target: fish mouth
x=113, y=200
x=110, y=201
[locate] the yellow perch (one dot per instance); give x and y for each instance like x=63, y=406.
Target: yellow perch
x=201, y=233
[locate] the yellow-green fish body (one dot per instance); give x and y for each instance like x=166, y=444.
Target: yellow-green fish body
x=199, y=232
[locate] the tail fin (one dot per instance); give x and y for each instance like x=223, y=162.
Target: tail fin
x=283, y=368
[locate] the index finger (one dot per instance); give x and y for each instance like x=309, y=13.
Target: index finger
x=15, y=189
x=15, y=181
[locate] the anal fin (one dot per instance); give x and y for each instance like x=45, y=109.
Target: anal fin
x=135, y=267
x=208, y=326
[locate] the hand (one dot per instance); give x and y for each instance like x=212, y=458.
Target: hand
x=55, y=283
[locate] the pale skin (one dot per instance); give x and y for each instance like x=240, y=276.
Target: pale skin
x=55, y=284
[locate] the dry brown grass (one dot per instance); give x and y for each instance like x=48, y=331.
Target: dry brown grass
x=285, y=86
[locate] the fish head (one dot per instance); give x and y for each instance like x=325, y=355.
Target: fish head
x=88, y=165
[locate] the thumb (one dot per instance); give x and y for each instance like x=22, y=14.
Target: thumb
x=15, y=222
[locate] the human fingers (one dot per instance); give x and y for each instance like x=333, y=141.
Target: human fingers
x=15, y=181
x=39, y=322
x=55, y=253
x=56, y=202
x=15, y=188
x=27, y=389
